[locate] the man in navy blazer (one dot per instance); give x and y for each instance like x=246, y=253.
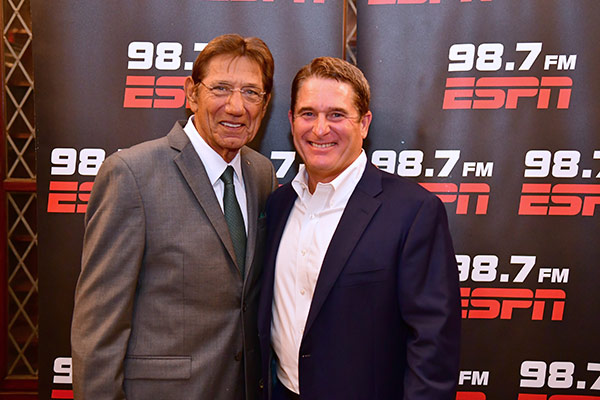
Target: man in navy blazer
x=360, y=294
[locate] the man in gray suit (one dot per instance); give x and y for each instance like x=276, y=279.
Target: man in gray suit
x=166, y=302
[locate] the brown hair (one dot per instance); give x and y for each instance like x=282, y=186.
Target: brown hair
x=237, y=46
x=339, y=70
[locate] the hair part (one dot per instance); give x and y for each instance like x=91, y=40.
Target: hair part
x=237, y=46
x=339, y=70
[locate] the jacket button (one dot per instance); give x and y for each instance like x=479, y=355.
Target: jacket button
x=261, y=384
x=244, y=307
x=238, y=356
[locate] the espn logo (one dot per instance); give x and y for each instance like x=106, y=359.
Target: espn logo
x=461, y=194
x=150, y=92
x=505, y=92
x=68, y=197
x=491, y=303
x=559, y=199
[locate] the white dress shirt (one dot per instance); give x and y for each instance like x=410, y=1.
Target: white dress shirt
x=215, y=166
x=308, y=232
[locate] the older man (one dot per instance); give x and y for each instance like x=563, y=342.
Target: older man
x=166, y=302
x=360, y=295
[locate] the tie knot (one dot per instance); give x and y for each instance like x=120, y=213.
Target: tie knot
x=227, y=176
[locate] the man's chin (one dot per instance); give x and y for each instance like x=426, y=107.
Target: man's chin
x=234, y=144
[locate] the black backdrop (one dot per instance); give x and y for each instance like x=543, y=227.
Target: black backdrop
x=491, y=104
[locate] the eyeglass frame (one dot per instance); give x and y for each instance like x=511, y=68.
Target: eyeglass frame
x=228, y=91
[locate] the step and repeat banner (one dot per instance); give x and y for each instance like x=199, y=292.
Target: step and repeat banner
x=490, y=104
x=109, y=74
x=493, y=105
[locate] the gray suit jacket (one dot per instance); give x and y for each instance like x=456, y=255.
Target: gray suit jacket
x=161, y=309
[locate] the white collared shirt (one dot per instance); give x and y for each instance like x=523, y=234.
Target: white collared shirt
x=308, y=232
x=215, y=166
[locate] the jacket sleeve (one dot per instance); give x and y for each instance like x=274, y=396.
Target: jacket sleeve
x=112, y=256
x=430, y=305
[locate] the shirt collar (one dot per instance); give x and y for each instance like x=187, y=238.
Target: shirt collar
x=213, y=162
x=341, y=187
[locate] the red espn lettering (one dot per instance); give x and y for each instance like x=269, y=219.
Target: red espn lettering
x=567, y=199
x=496, y=93
x=63, y=197
x=489, y=303
x=140, y=91
x=61, y=394
x=465, y=190
x=380, y=2
x=530, y=396
x=470, y=396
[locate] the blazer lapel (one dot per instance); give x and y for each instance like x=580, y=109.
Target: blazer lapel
x=194, y=174
x=285, y=204
x=359, y=211
x=249, y=176
x=277, y=218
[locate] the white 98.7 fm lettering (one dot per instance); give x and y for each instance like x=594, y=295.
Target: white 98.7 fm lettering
x=165, y=56
x=560, y=164
x=67, y=161
x=488, y=57
x=560, y=375
x=487, y=268
x=506, y=91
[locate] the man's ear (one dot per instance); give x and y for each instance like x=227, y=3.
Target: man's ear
x=365, y=122
x=291, y=118
x=190, y=93
x=266, y=103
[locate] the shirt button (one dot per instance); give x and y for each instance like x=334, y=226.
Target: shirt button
x=302, y=291
x=303, y=252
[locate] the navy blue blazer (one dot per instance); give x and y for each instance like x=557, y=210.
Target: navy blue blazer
x=384, y=322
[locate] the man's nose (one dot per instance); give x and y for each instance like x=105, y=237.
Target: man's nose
x=321, y=125
x=235, y=103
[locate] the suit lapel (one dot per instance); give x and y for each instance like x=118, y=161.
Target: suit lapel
x=249, y=176
x=277, y=218
x=194, y=174
x=285, y=204
x=359, y=211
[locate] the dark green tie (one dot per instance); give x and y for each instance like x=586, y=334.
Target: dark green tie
x=234, y=218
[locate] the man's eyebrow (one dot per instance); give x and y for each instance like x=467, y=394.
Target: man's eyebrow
x=245, y=84
x=338, y=109
x=303, y=109
x=329, y=110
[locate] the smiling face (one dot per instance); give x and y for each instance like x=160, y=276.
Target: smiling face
x=327, y=128
x=227, y=123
